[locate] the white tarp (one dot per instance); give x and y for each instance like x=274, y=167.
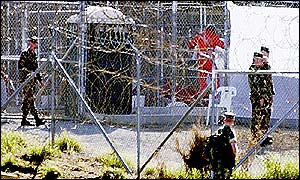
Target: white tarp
x=273, y=27
x=104, y=15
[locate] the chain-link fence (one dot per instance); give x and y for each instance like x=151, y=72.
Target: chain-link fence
x=127, y=64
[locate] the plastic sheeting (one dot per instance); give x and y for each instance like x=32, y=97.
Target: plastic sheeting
x=273, y=27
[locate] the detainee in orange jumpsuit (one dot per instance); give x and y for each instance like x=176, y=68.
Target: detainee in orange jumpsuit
x=206, y=43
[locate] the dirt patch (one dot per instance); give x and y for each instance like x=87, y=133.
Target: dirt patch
x=124, y=139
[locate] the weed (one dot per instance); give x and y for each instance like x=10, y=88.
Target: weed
x=240, y=174
x=111, y=160
x=8, y=159
x=279, y=170
x=112, y=173
x=11, y=142
x=66, y=143
x=49, y=171
x=38, y=154
x=193, y=158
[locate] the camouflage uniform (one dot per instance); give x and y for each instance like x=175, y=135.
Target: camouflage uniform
x=261, y=87
x=27, y=65
x=221, y=157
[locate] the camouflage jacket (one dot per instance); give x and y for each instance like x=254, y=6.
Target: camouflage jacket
x=218, y=149
x=28, y=64
x=228, y=133
x=261, y=85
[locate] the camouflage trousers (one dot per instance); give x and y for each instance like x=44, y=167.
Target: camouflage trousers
x=261, y=116
x=222, y=172
x=28, y=101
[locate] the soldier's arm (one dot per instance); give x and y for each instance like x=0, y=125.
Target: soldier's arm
x=251, y=79
x=22, y=61
x=269, y=81
x=193, y=42
x=234, y=148
x=220, y=43
x=250, y=82
x=39, y=77
x=232, y=140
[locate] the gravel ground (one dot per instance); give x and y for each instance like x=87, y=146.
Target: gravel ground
x=124, y=140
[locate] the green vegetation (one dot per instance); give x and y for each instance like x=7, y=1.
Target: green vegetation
x=19, y=156
x=181, y=173
x=240, y=174
x=113, y=173
x=113, y=168
x=110, y=160
x=279, y=170
x=37, y=154
x=66, y=143
x=12, y=142
x=49, y=170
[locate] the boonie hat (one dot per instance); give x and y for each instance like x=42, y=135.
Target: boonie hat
x=33, y=39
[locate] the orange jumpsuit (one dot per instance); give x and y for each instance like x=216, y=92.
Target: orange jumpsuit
x=206, y=42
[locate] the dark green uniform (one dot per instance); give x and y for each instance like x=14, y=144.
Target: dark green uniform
x=261, y=87
x=27, y=65
x=219, y=153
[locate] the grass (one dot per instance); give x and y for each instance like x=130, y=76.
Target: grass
x=12, y=142
x=193, y=157
x=276, y=169
x=65, y=160
x=66, y=143
x=49, y=170
x=113, y=168
x=18, y=156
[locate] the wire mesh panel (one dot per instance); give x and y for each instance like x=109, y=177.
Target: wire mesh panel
x=124, y=73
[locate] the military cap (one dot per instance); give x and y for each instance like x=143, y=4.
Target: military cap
x=229, y=114
x=257, y=55
x=264, y=49
x=33, y=39
x=212, y=28
x=265, y=57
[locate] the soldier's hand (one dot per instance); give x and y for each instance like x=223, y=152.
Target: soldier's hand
x=42, y=83
x=262, y=102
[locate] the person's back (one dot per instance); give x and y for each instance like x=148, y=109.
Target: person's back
x=221, y=149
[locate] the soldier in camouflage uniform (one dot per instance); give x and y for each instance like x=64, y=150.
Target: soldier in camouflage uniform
x=221, y=149
x=265, y=52
x=261, y=96
x=27, y=65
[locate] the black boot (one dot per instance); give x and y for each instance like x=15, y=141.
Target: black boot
x=24, y=122
x=38, y=121
x=267, y=141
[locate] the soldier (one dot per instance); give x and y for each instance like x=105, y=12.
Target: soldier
x=268, y=77
x=261, y=97
x=221, y=149
x=27, y=65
